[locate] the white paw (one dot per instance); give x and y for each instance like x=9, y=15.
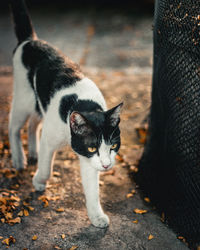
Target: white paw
x=38, y=185
x=101, y=220
x=19, y=164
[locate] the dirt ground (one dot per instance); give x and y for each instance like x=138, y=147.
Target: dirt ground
x=115, y=50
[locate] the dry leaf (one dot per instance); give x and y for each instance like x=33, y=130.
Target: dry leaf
x=119, y=158
x=56, y=174
x=34, y=237
x=3, y=200
x=73, y=247
x=147, y=199
x=9, y=240
x=6, y=241
x=142, y=134
x=3, y=220
x=140, y=211
x=30, y=208
x=57, y=247
x=26, y=203
x=26, y=213
x=129, y=195
x=60, y=209
x=16, y=220
x=162, y=217
x=21, y=213
x=135, y=221
x=63, y=236
x=150, y=237
x=1, y=237
x=8, y=216
x=133, y=191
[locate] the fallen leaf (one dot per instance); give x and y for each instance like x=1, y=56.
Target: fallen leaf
x=26, y=213
x=34, y=237
x=150, y=237
x=142, y=134
x=1, y=237
x=8, y=216
x=26, y=203
x=9, y=240
x=56, y=174
x=133, y=191
x=135, y=221
x=129, y=195
x=46, y=203
x=119, y=158
x=60, y=209
x=147, y=199
x=109, y=172
x=162, y=217
x=140, y=211
x=16, y=220
x=21, y=213
x=42, y=197
x=3, y=200
x=57, y=247
x=6, y=241
x=63, y=236
x=73, y=247
x=3, y=220
x=30, y=208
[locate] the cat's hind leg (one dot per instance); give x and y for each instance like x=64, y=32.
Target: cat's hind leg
x=23, y=105
x=33, y=138
x=19, y=114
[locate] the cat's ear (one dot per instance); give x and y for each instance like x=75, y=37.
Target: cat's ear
x=79, y=124
x=113, y=115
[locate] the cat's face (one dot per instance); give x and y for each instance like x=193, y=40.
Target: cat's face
x=96, y=136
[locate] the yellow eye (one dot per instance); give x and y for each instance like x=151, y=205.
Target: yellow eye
x=113, y=146
x=92, y=150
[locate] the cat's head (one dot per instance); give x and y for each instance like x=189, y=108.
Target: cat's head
x=96, y=136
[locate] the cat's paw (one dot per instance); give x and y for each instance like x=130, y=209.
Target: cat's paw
x=101, y=221
x=19, y=164
x=38, y=185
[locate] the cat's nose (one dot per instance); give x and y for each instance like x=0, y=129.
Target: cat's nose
x=106, y=166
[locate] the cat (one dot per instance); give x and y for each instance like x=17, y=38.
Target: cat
x=48, y=86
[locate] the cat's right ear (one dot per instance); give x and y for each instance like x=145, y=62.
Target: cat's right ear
x=79, y=124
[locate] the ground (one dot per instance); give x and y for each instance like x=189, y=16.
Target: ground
x=114, y=50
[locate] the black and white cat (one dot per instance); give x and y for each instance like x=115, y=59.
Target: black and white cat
x=48, y=86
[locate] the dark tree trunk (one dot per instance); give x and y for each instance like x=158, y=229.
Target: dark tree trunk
x=169, y=171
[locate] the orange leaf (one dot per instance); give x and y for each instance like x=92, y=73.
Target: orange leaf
x=21, y=213
x=63, y=236
x=30, y=208
x=135, y=221
x=129, y=195
x=26, y=213
x=150, y=237
x=147, y=199
x=73, y=247
x=6, y=241
x=140, y=211
x=34, y=237
x=61, y=209
x=16, y=220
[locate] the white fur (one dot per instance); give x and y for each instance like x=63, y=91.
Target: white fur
x=55, y=134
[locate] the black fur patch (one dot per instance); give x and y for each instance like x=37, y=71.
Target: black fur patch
x=53, y=70
x=66, y=105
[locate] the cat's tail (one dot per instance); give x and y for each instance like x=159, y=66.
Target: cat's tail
x=23, y=26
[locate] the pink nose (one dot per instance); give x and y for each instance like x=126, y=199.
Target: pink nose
x=106, y=166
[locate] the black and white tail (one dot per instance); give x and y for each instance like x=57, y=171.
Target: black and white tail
x=22, y=22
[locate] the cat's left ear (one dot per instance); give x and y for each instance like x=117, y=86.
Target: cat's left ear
x=79, y=124
x=113, y=115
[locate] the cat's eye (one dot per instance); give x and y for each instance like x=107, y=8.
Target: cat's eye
x=114, y=146
x=92, y=150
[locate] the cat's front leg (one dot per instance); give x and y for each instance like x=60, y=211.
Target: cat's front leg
x=90, y=181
